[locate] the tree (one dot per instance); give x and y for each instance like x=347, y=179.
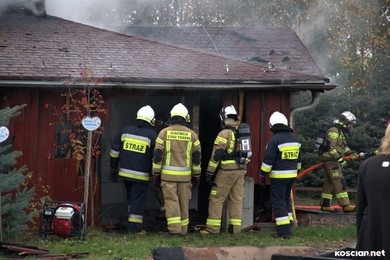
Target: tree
x=83, y=102
x=15, y=195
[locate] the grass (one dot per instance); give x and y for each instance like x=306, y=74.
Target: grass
x=112, y=245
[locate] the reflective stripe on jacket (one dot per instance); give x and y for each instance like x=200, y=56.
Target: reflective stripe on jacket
x=178, y=144
x=225, y=142
x=133, y=150
x=337, y=144
x=282, y=157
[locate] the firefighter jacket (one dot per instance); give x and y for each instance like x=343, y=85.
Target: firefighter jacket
x=177, y=154
x=335, y=140
x=225, y=151
x=133, y=150
x=283, y=156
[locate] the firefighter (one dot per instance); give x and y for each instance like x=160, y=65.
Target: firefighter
x=229, y=178
x=336, y=148
x=176, y=164
x=282, y=160
x=132, y=150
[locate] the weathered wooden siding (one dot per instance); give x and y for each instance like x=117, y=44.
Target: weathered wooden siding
x=259, y=105
x=33, y=133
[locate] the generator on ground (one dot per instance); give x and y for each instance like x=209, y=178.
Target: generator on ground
x=64, y=219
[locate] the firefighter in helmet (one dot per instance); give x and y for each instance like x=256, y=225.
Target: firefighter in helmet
x=229, y=178
x=282, y=160
x=132, y=151
x=176, y=164
x=336, y=148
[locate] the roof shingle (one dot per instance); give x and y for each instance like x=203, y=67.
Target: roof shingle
x=50, y=48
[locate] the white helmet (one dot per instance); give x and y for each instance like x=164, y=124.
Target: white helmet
x=228, y=112
x=348, y=118
x=180, y=110
x=146, y=113
x=277, y=118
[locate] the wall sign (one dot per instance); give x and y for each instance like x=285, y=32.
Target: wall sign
x=91, y=123
x=4, y=133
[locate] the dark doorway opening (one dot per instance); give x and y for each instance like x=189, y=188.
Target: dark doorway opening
x=210, y=104
x=204, y=107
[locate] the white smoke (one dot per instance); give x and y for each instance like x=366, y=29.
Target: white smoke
x=317, y=20
x=74, y=10
x=37, y=7
x=99, y=13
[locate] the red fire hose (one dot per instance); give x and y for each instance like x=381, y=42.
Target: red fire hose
x=321, y=164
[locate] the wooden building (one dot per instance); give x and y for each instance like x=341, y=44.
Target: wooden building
x=255, y=69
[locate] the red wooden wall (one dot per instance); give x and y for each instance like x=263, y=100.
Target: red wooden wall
x=33, y=133
x=258, y=106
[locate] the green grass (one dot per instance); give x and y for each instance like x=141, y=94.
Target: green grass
x=112, y=245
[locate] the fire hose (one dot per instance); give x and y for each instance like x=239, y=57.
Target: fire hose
x=320, y=165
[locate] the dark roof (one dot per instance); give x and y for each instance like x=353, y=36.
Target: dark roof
x=50, y=49
x=279, y=46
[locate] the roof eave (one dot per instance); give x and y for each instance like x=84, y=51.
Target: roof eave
x=298, y=85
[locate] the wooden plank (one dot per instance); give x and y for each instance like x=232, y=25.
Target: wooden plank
x=231, y=98
x=72, y=180
x=46, y=136
x=79, y=189
x=31, y=133
x=27, y=135
x=52, y=179
x=252, y=117
x=64, y=173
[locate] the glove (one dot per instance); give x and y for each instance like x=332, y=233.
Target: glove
x=113, y=175
x=362, y=155
x=343, y=163
x=369, y=154
x=355, y=156
x=209, y=178
x=262, y=178
x=157, y=180
x=196, y=180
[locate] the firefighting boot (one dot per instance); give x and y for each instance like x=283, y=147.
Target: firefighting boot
x=204, y=232
x=328, y=209
x=349, y=208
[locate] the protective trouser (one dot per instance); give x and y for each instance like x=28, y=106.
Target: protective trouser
x=228, y=184
x=177, y=197
x=136, y=200
x=334, y=183
x=280, y=190
x=160, y=198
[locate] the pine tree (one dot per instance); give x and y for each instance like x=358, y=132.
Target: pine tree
x=15, y=196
